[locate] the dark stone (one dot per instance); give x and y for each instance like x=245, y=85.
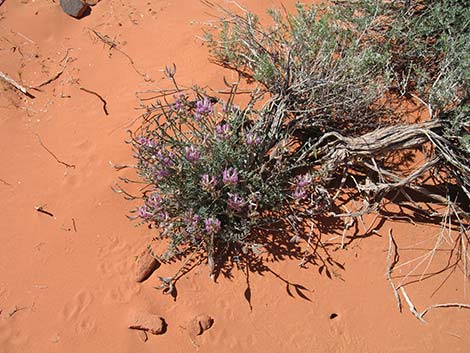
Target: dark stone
x=74, y=8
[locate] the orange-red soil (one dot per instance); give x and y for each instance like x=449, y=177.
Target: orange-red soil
x=67, y=282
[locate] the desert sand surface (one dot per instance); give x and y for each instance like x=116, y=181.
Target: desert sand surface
x=67, y=279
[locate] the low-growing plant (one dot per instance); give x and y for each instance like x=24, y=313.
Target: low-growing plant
x=214, y=175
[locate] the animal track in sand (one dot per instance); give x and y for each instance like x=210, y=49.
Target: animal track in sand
x=77, y=305
x=122, y=293
x=116, y=258
x=86, y=325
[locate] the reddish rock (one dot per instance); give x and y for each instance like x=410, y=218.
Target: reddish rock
x=147, y=322
x=199, y=324
x=146, y=264
x=74, y=8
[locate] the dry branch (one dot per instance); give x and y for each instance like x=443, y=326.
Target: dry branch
x=446, y=305
x=52, y=154
x=412, y=306
x=113, y=45
x=392, y=248
x=105, y=109
x=15, y=84
x=53, y=78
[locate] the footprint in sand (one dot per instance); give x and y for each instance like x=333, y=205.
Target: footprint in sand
x=122, y=293
x=86, y=325
x=115, y=259
x=77, y=305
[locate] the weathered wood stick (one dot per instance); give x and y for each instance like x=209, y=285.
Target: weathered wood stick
x=15, y=84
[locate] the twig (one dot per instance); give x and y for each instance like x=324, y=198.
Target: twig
x=74, y=226
x=42, y=210
x=347, y=225
x=24, y=37
x=309, y=243
x=53, y=155
x=446, y=305
x=15, y=310
x=101, y=99
x=15, y=84
x=411, y=306
x=390, y=265
x=113, y=45
x=55, y=77
x=121, y=166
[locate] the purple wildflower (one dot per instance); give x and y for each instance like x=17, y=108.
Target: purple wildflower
x=162, y=216
x=179, y=102
x=236, y=202
x=230, y=176
x=165, y=158
x=192, y=220
x=161, y=173
x=203, y=107
x=304, y=180
x=192, y=154
x=212, y=225
x=144, y=212
x=143, y=141
x=223, y=131
x=190, y=217
x=177, y=105
x=252, y=139
x=208, y=183
x=299, y=193
x=154, y=201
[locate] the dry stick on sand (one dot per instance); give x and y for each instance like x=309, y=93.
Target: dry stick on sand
x=42, y=210
x=105, y=109
x=53, y=155
x=390, y=265
x=113, y=45
x=15, y=310
x=15, y=84
x=53, y=78
x=411, y=306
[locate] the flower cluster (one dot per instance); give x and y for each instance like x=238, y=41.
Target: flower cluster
x=203, y=108
x=223, y=131
x=230, y=176
x=252, y=139
x=301, y=184
x=199, y=165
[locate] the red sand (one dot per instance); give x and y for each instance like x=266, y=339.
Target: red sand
x=67, y=282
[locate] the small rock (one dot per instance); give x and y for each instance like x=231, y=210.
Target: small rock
x=90, y=2
x=145, y=321
x=74, y=8
x=199, y=324
x=146, y=264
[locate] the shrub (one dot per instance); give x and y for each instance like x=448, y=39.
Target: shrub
x=326, y=77
x=213, y=178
